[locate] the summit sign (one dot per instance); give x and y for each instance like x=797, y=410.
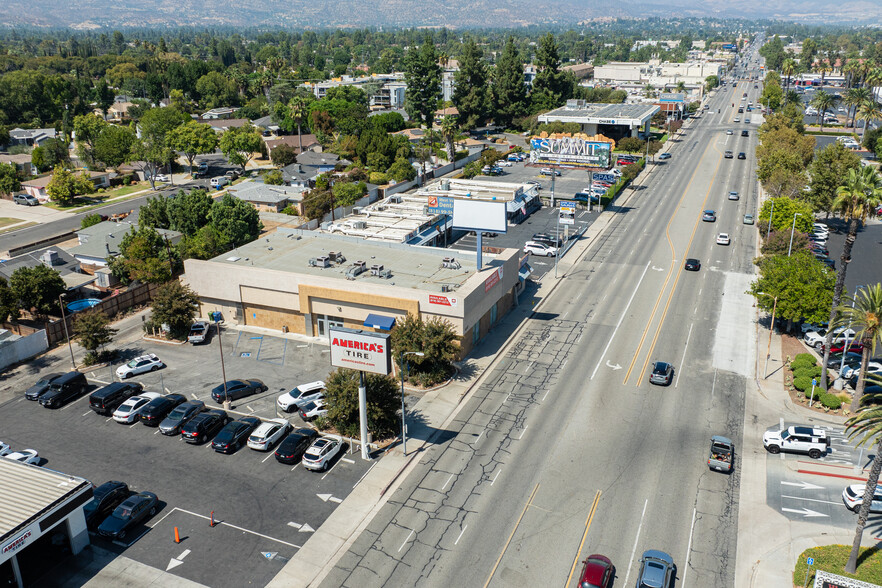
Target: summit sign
x=570, y=152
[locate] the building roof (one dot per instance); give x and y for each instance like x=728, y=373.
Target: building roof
x=43, y=181
x=29, y=491
x=222, y=124
x=264, y=193
x=292, y=141
x=595, y=113
x=221, y=111
x=298, y=172
x=54, y=257
x=314, y=158
x=24, y=134
x=449, y=111
x=102, y=240
x=412, y=134
x=18, y=158
x=265, y=122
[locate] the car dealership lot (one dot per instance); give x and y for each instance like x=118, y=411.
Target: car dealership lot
x=264, y=507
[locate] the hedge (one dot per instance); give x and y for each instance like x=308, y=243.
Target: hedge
x=808, y=372
x=802, y=383
x=831, y=401
x=805, y=356
x=800, y=364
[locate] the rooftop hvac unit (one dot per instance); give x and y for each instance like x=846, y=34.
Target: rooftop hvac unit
x=385, y=274
x=445, y=288
x=326, y=225
x=322, y=261
x=357, y=268
x=450, y=263
x=105, y=279
x=359, y=225
x=445, y=185
x=356, y=209
x=376, y=269
x=395, y=199
x=50, y=257
x=336, y=257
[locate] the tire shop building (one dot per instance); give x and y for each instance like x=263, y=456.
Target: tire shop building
x=41, y=520
x=306, y=282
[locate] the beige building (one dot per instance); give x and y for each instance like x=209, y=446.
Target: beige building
x=656, y=73
x=306, y=282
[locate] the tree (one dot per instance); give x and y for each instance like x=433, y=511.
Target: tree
x=401, y=171
x=65, y=186
x=788, y=67
x=216, y=89
x=92, y=330
x=423, y=77
x=383, y=403
x=435, y=338
x=347, y=193
x=853, y=98
x=449, y=130
x=175, y=305
x=780, y=243
x=863, y=313
x=9, y=182
x=88, y=128
x=823, y=102
x=802, y=284
x=239, y=144
x=509, y=91
x=631, y=144
x=188, y=211
x=782, y=211
x=284, y=155
x=856, y=201
x=783, y=149
x=236, y=220
x=771, y=95
x=868, y=111
x=113, y=145
x=318, y=202
x=37, y=288
x=90, y=220
x=711, y=82
x=52, y=153
x=154, y=213
x=144, y=256
x=827, y=171
x=192, y=139
x=471, y=90
x=273, y=178
x=9, y=307
x=551, y=87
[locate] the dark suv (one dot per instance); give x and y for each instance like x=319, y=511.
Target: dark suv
x=107, y=399
x=63, y=389
x=235, y=435
x=177, y=418
x=158, y=408
x=105, y=498
x=204, y=426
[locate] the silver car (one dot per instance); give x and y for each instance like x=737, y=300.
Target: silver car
x=656, y=570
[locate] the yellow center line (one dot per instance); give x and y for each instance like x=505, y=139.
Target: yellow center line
x=510, y=537
x=584, y=536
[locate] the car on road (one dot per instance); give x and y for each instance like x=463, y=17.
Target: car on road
x=322, y=451
x=748, y=219
x=132, y=511
x=738, y=118
x=26, y=200
x=536, y=248
x=291, y=450
x=709, y=216
x=236, y=389
x=665, y=155
x=105, y=498
x=180, y=416
x=853, y=497
x=313, y=409
x=723, y=239
x=692, y=264
x=745, y=132
x=64, y=389
x=747, y=122
x=742, y=155
x=41, y=386
x=268, y=434
x=597, y=572
x=733, y=195
x=797, y=439
x=657, y=570
x=727, y=154
x=547, y=171
x=107, y=399
x=730, y=132
x=130, y=410
x=198, y=332
x=287, y=402
x=235, y=434
x=158, y=408
x=28, y=456
x=204, y=426
x=662, y=373
x=139, y=365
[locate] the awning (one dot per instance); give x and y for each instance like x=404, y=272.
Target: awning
x=525, y=271
x=378, y=321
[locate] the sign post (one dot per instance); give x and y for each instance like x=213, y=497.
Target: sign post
x=812, y=399
x=809, y=561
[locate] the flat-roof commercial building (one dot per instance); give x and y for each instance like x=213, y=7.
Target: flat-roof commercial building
x=41, y=520
x=306, y=282
x=658, y=74
x=615, y=121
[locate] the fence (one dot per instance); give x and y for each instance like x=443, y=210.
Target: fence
x=22, y=348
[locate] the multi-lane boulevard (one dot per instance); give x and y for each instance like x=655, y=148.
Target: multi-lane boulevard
x=564, y=449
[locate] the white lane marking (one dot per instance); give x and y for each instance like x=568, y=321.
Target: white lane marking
x=621, y=318
x=688, y=550
x=714, y=385
x=636, y=540
x=496, y=476
x=524, y=430
x=805, y=512
x=405, y=541
x=683, y=361
x=459, y=537
x=448, y=481
x=295, y=467
x=475, y=442
x=328, y=497
x=87, y=413
x=812, y=499
x=243, y=529
x=803, y=485
x=546, y=395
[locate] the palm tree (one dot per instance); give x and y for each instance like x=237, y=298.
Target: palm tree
x=867, y=111
x=855, y=201
x=872, y=76
x=822, y=101
x=449, y=130
x=787, y=68
x=853, y=99
x=867, y=425
x=297, y=110
x=681, y=87
x=864, y=315
x=648, y=91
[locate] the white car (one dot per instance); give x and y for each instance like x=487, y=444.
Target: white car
x=25, y=456
x=312, y=409
x=817, y=338
x=139, y=365
x=160, y=178
x=536, y=248
x=853, y=496
x=873, y=367
x=319, y=455
x=268, y=433
x=198, y=332
x=504, y=163
x=287, y=402
x=5, y=449
x=797, y=439
x=723, y=239
x=547, y=171
x=130, y=410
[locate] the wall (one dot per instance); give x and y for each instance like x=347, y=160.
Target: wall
x=23, y=348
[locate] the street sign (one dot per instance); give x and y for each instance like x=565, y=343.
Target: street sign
x=568, y=204
x=810, y=561
x=814, y=382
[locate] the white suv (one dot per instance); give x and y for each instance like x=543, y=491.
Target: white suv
x=814, y=442
x=303, y=393
x=536, y=248
x=817, y=338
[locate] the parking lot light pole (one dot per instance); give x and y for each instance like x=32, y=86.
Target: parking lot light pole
x=771, y=328
x=771, y=213
x=220, y=346
x=402, y=369
x=792, y=229
x=66, y=334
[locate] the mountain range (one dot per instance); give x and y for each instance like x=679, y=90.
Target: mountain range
x=95, y=14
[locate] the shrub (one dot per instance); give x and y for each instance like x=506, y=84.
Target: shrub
x=831, y=401
x=378, y=178
x=802, y=383
x=805, y=357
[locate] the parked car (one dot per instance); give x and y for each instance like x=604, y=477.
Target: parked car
x=234, y=435
x=665, y=155
x=130, y=410
x=291, y=450
x=851, y=373
x=158, y=408
x=180, y=416
x=547, y=171
x=853, y=497
x=723, y=239
x=852, y=360
x=597, y=572
x=105, y=498
x=236, y=389
x=796, y=439
x=656, y=570
x=287, y=402
x=41, y=386
x=312, y=409
x=139, y=365
x=198, y=332
x=817, y=338
x=132, y=511
x=105, y=400
x=692, y=264
x=851, y=346
x=709, y=216
x=662, y=373
x=63, y=389
x=232, y=174
x=536, y=248
x=26, y=199
x=28, y=456
x=268, y=434
x=547, y=239
x=204, y=426
x=322, y=451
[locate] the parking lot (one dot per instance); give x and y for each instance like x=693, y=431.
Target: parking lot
x=265, y=509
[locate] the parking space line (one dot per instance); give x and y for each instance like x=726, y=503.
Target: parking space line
x=331, y=469
x=269, y=455
x=87, y=413
x=365, y=474
x=243, y=529
x=295, y=467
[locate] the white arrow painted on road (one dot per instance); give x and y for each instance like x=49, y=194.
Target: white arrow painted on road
x=615, y=367
x=803, y=485
x=304, y=528
x=658, y=269
x=327, y=497
x=176, y=561
x=805, y=512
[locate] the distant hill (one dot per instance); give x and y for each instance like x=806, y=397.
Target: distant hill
x=88, y=14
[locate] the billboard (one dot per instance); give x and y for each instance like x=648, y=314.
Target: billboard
x=479, y=215
x=570, y=152
x=360, y=350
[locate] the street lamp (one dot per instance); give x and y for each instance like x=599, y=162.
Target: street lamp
x=66, y=334
x=792, y=229
x=847, y=342
x=402, y=369
x=771, y=328
x=771, y=213
x=216, y=315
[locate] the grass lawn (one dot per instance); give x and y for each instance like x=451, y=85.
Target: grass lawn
x=5, y=221
x=90, y=201
x=832, y=558
x=4, y=228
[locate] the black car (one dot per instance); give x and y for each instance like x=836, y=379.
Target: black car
x=105, y=498
x=158, y=408
x=40, y=388
x=236, y=389
x=235, y=435
x=291, y=450
x=852, y=360
x=692, y=265
x=128, y=514
x=204, y=426
x=742, y=155
x=745, y=134
x=547, y=239
x=178, y=417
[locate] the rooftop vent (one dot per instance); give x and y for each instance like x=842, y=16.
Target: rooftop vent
x=395, y=199
x=359, y=225
x=50, y=257
x=356, y=209
x=359, y=267
x=450, y=263
x=322, y=261
x=376, y=269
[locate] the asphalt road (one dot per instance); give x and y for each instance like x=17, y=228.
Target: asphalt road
x=565, y=449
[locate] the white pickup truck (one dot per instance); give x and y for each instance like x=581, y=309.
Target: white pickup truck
x=796, y=439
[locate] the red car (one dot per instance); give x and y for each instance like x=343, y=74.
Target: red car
x=853, y=347
x=597, y=573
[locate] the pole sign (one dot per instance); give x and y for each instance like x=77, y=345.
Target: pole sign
x=360, y=350
x=567, y=214
x=570, y=152
x=610, y=178
x=440, y=205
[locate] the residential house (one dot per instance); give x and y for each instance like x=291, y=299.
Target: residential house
x=30, y=137
x=116, y=112
x=221, y=125
x=223, y=113
x=325, y=162
x=297, y=175
x=36, y=187
x=415, y=136
x=266, y=125
x=443, y=113
x=309, y=142
x=53, y=257
x=267, y=198
x=100, y=242
x=21, y=162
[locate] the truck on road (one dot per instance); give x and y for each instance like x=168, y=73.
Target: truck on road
x=722, y=454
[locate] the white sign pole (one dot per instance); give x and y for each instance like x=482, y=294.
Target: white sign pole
x=362, y=416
